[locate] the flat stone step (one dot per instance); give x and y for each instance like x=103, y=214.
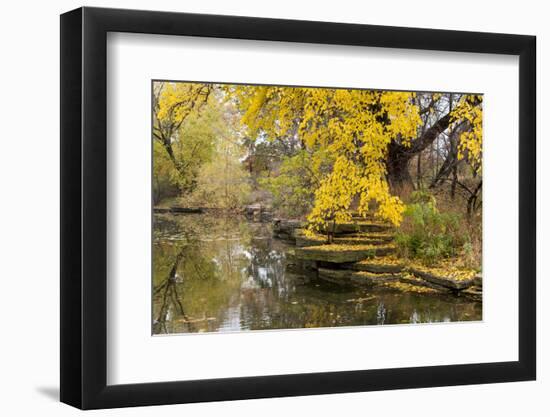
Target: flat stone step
x=387, y=236
x=348, y=277
x=359, y=241
x=302, y=241
x=402, y=281
x=284, y=229
x=357, y=217
x=384, y=264
x=360, y=238
x=453, y=279
x=408, y=278
x=342, y=253
x=368, y=278
x=361, y=226
x=336, y=276
x=411, y=287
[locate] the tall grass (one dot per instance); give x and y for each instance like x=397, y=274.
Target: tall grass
x=429, y=235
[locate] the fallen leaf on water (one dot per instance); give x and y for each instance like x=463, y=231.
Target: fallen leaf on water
x=359, y=300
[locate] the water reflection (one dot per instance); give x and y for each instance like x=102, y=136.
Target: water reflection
x=221, y=273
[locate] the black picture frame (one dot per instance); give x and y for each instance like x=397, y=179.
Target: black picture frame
x=84, y=207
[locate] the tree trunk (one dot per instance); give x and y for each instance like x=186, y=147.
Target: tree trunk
x=455, y=180
x=399, y=155
x=419, y=171
x=397, y=165
x=472, y=201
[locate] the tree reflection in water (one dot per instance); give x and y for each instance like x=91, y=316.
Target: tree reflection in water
x=214, y=274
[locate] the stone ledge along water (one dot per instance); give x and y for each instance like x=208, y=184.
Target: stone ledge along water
x=362, y=255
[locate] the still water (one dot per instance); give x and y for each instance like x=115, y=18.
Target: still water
x=225, y=273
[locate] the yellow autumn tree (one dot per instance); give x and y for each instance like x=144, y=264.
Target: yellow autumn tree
x=354, y=126
x=173, y=104
x=470, y=145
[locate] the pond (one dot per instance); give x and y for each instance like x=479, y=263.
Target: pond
x=219, y=273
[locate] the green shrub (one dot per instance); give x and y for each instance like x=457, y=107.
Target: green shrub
x=292, y=186
x=422, y=197
x=427, y=234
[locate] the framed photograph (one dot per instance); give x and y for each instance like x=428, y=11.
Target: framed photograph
x=256, y=208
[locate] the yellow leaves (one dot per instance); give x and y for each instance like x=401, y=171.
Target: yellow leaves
x=251, y=116
x=343, y=248
x=404, y=116
x=469, y=110
x=391, y=208
x=177, y=100
x=390, y=260
x=406, y=287
x=346, y=181
x=354, y=126
x=447, y=269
